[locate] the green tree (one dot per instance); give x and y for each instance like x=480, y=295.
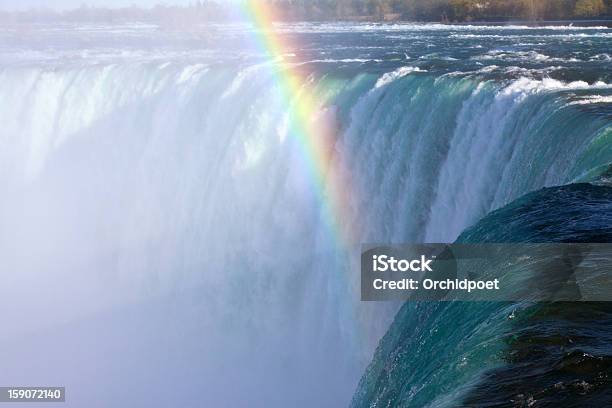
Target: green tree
x=589, y=8
x=464, y=9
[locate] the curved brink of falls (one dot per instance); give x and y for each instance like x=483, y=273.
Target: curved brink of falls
x=502, y=353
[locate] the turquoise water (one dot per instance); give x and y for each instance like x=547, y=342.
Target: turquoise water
x=504, y=354
x=159, y=227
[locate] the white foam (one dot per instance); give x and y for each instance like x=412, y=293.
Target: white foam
x=389, y=77
x=593, y=99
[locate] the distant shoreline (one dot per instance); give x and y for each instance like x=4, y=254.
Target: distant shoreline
x=192, y=17
x=539, y=23
x=578, y=23
x=483, y=23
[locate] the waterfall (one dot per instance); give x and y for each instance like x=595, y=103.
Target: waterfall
x=159, y=213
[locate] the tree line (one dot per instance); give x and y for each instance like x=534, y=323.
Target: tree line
x=333, y=10
x=442, y=10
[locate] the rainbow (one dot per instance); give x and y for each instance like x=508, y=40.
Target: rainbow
x=316, y=142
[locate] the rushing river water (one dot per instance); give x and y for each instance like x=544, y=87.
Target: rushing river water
x=163, y=244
